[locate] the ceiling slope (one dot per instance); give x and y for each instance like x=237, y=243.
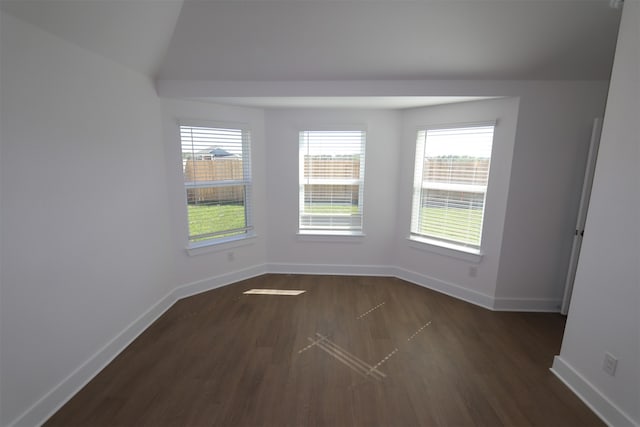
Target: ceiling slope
x=134, y=33
x=276, y=40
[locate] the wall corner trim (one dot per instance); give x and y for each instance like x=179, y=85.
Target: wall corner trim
x=332, y=269
x=590, y=395
x=214, y=282
x=451, y=289
x=53, y=400
x=540, y=305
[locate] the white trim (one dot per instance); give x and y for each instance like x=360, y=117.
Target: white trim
x=460, y=125
x=443, y=248
x=332, y=269
x=590, y=395
x=583, y=208
x=220, y=124
x=53, y=400
x=451, y=289
x=539, y=305
x=215, y=282
x=221, y=244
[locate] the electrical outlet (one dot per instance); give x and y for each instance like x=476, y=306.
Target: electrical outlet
x=473, y=271
x=610, y=364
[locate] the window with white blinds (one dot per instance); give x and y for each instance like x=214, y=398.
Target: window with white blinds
x=217, y=180
x=451, y=176
x=331, y=182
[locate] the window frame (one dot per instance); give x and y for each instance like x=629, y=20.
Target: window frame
x=309, y=232
x=444, y=246
x=243, y=233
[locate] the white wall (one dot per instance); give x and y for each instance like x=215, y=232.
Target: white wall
x=93, y=235
x=604, y=315
x=552, y=140
x=526, y=246
x=209, y=264
x=85, y=222
x=1, y=234
x=286, y=248
x=443, y=269
x=551, y=144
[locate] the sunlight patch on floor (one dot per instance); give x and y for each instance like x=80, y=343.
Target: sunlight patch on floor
x=273, y=292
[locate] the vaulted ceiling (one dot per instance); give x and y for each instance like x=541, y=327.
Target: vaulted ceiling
x=285, y=40
x=134, y=33
x=380, y=40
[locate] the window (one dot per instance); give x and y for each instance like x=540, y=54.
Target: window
x=217, y=181
x=331, y=182
x=450, y=184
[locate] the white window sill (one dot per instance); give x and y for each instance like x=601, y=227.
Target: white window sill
x=220, y=245
x=446, y=249
x=331, y=236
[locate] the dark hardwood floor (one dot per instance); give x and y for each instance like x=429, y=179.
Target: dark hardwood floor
x=351, y=351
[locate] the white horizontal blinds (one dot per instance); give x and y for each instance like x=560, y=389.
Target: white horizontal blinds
x=450, y=183
x=217, y=179
x=331, y=180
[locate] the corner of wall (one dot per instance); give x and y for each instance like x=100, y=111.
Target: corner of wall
x=590, y=395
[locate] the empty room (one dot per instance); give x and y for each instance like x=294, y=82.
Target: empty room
x=319, y=212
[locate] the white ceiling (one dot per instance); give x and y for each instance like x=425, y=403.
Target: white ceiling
x=280, y=40
x=363, y=102
x=325, y=40
x=134, y=33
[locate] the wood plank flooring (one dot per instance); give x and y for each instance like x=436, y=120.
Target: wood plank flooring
x=350, y=351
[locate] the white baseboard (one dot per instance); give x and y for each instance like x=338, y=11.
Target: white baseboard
x=446, y=288
x=451, y=289
x=331, y=269
x=546, y=305
x=41, y=410
x=590, y=395
x=44, y=408
x=214, y=282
